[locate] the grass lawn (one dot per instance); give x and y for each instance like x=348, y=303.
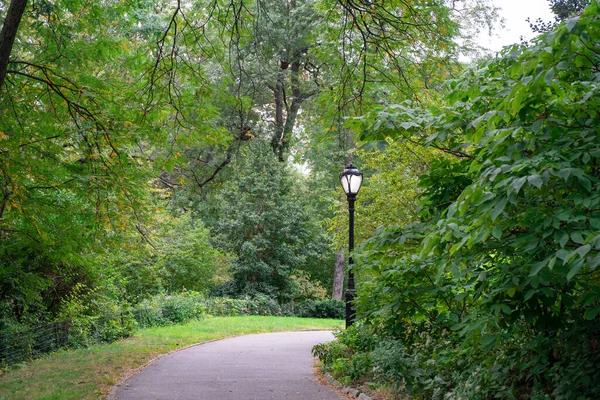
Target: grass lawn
x=90, y=373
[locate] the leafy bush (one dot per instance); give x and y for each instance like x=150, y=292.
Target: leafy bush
x=94, y=317
x=349, y=357
x=165, y=309
x=495, y=291
x=226, y=307
x=264, y=305
x=304, y=288
x=186, y=259
x=335, y=309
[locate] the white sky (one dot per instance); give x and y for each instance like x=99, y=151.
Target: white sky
x=515, y=13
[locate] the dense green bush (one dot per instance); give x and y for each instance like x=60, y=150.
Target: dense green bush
x=165, y=309
x=303, y=287
x=321, y=309
x=94, y=317
x=259, y=305
x=224, y=306
x=263, y=305
x=495, y=291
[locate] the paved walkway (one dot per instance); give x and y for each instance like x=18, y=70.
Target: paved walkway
x=266, y=366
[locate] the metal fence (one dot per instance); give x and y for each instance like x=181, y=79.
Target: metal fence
x=31, y=342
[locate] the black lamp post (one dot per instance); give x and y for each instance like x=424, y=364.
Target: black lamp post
x=351, y=179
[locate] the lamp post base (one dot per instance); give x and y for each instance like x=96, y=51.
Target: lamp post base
x=350, y=313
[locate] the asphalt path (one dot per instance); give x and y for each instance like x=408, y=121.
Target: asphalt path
x=266, y=366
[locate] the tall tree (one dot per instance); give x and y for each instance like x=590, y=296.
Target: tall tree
x=9, y=33
x=562, y=10
x=265, y=221
x=76, y=143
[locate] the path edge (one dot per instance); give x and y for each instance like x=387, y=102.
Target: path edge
x=347, y=391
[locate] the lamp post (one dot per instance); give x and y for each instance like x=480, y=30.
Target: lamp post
x=351, y=179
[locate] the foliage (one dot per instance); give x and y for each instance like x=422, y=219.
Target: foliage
x=73, y=179
x=304, y=288
x=330, y=308
x=163, y=309
x=146, y=150
x=390, y=192
x=266, y=226
x=94, y=317
x=494, y=293
x=348, y=357
x=186, y=259
x=261, y=305
x=562, y=10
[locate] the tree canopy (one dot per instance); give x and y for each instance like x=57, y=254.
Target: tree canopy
x=154, y=151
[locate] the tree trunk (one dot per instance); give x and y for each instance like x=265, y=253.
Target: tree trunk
x=8, y=34
x=338, y=276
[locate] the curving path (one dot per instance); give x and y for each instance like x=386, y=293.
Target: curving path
x=265, y=366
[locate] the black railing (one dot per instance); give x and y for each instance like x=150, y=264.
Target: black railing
x=26, y=343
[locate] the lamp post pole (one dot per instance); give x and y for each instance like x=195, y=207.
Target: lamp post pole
x=351, y=180
x=351, y=290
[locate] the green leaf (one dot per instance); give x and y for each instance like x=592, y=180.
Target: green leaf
x=457, y=246
x=518, y=184
x=451, y=210
x=549, y=76
x=488, y=340
x=537, y=267
x=585, y=182
x=591, y=313
x=499, y=208
x=511, y=292
x=574, y=270
x=497, y=232
x=577, y=237
x=590, y=298
x=529, y=294
x=535, y=180
x=563, y=255
x=563, y=65
x=551, y=263
x=563, y=240
x=571, y=23
x=474, y=325
x=505, y=309
x=580, y=251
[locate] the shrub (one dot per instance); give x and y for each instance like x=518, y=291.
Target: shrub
x=264, y=305
x=94, y=317
x=495, y=292
x=165, y=309
x=225, y=307
x=303, y=288
x=335, y=309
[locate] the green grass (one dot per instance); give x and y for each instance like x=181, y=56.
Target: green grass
x=90, y=373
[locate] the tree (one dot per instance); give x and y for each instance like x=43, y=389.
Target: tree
x=264, y=222
x=9, y=33
x=562, y=9
x=77, y=145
